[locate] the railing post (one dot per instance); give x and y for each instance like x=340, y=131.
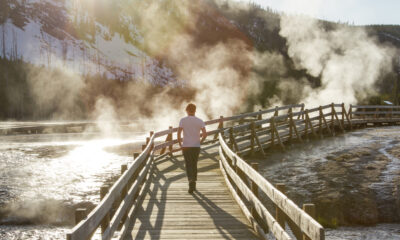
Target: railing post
x=310, y=210
x=302, y=112
x=333, y=116
x=280, y=215
x=289, y=112
x=259, y=117
x=290, y=125
x=272, y=131
x=232, y=141
x=124, y=167
x=351, y=112
x=252, y=136
x=106, y=219
x=220, y=126
x=124, y=191
x=276, y=111
x=170, y=139
x=320, y=121
x=254, y=189
x=80, y=214
x=343, y=113
x=152, y=145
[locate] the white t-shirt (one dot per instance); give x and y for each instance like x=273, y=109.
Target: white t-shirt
x=191, y=126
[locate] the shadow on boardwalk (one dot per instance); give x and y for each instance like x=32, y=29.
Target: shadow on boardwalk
x=169, y=212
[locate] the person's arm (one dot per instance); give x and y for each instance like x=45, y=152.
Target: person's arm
x=203, y=134
x=179, y=136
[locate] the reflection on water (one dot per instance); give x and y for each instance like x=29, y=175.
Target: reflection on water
x=44, y=177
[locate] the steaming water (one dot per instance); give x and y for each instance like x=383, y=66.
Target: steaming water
x=294, y=167
x=44, y=177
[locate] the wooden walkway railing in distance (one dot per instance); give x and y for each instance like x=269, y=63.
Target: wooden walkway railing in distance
x=360, y=114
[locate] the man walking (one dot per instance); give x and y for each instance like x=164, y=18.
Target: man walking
x=191, y=127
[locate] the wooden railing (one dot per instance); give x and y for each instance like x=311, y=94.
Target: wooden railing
x=247, y=133
x=375, y=113
x=245, y=183
x=119, y=203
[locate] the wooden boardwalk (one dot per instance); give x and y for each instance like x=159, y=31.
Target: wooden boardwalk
x=170, y=212
x=150, y=199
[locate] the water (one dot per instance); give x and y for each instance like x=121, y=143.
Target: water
x=363, y=164
x=44, y=177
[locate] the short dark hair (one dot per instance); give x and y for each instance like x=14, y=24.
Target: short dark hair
x=191, y=108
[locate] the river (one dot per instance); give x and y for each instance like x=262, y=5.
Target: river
x=44, y=177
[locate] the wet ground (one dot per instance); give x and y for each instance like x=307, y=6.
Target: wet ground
x=352, y=178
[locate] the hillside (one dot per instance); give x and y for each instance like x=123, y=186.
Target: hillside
x=111, y=48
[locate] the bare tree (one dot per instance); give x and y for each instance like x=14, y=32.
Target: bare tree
x=4, y=40
x=14, y=47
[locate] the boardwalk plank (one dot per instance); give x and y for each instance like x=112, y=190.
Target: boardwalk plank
x=170, y=212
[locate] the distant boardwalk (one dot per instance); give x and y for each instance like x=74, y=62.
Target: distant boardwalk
x=150, y=199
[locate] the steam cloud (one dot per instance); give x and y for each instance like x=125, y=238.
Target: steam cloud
x=219, y=77
x=348, y=61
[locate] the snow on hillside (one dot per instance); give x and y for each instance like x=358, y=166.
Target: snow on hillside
x=41, y=39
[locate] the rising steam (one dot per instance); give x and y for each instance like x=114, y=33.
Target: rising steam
x=219, y=75
x=348, y=61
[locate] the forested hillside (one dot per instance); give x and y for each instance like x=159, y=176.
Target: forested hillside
x=72, y=53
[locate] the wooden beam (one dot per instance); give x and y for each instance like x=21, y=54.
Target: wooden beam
x=232, y=140
x=253, y=133
x=324, y=120
x=257, y=140
x=293, y=124
x=310, y=123
x=80, y=214
x=276, y=133
x=347, y=117
x=279, y=214
x=284, y=218
x=337, y=118
x=220, y=126
x=106, y=220
x=167, y=139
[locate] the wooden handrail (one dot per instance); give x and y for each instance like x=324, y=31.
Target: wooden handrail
x=86, y=228
x=306, y=223
x=245, y=191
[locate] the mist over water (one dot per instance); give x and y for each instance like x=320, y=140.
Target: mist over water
x=45, y=177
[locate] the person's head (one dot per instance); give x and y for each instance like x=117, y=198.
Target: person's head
x=191, y=109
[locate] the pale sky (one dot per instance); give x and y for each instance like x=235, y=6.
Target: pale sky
x=359, y=12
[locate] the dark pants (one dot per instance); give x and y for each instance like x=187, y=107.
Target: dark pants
x=191, y=156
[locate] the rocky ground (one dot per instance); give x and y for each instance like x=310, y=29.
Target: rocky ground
x=353, y=179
